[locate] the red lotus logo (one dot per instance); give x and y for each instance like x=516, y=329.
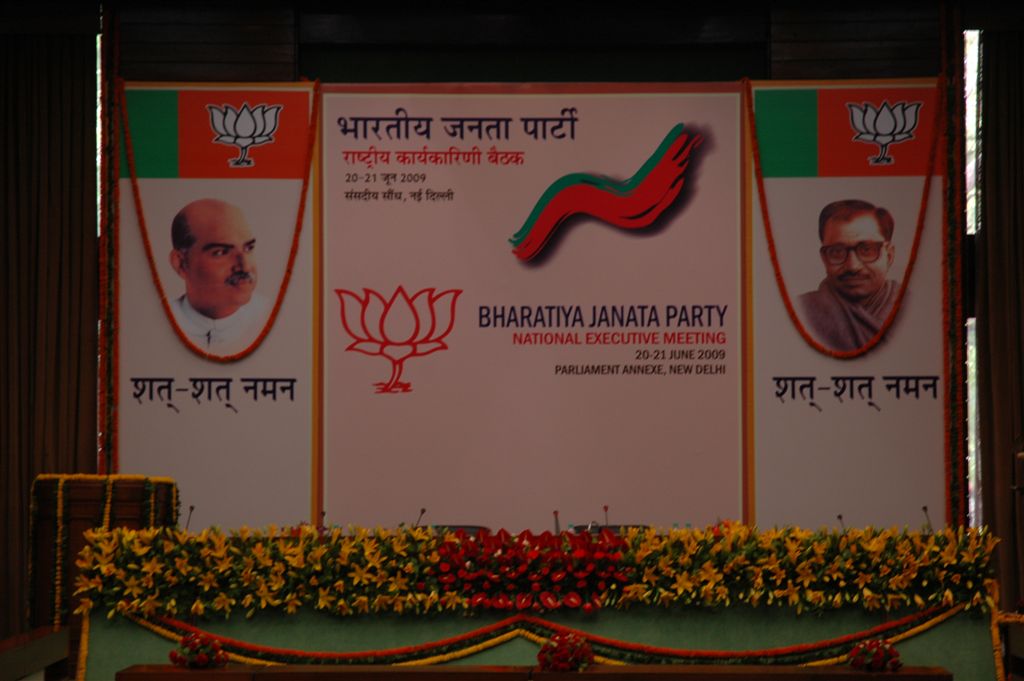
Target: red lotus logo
x=399, y=328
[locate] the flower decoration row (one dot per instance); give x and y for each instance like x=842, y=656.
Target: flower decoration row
x=538, y=630
x=419, y=571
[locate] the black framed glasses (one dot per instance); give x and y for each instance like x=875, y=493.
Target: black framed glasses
x=867, y=252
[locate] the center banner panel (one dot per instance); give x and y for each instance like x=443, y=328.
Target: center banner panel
x=532, y=305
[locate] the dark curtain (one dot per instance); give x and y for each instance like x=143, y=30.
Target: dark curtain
x=1000, y=301
x=48, y=305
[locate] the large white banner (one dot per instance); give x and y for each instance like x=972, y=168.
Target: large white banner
x=534, y=304
x=507, y=301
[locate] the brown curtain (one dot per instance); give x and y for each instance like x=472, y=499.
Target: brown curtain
x=49, y=297
x=1000, y=301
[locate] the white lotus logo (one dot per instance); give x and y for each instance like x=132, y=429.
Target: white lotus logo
x=884, y=126
x=244, y=128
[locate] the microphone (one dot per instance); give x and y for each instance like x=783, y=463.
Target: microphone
x=839, y=517
x=606, y=515
x=558, y=527
x=191, y=507
x=927, y=519
x=419, y=517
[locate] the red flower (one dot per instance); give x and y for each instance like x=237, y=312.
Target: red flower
x=565, y=652
x=875, y=656
x=549, y=600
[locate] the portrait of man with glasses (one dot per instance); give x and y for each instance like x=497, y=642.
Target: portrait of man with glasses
x=856, y=296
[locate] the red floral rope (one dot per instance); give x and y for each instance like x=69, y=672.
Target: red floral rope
x=293, y=252
x=762, y=195
x=385, y=652
x=547, y=626
x=722, y=654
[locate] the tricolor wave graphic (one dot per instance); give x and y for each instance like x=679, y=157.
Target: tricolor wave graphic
x=632, y=204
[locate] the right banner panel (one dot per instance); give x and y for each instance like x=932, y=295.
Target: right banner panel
x=848, y=292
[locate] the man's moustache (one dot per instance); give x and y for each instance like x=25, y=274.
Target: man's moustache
x=239, y=277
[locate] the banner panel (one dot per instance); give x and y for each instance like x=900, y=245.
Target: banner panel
x=215, y=361
x=533, y=303
x=850, y=387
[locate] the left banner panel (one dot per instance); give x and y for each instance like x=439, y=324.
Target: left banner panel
x=215, y=351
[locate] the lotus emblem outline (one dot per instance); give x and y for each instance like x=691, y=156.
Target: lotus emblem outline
x=398, y=328
x=244, y=128
x=884, y=126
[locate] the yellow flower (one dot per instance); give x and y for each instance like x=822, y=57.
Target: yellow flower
x=382, y=603
x=400, y=546
x=345, y=551
x=132, y=587
x=259, y=552
x=266, y=597
x=84, y=606
x=152, y=566
x=419, y=533
x=325, y=600
x=208, y=581
x=634, y=592
x=429, y=600
x=651, y=575
x=198, y=608
x=872, y=601
x=791, y=593
x=316, y=556
x=85, y=584
x=149, y=605
x=805, y=575
x=223, y=603
x=398, y=583
x=450, y=600
x=374, y=559
x=292, y=603
x=709, y=574
x=359, y=575
x=183, y=566
x=683, y=584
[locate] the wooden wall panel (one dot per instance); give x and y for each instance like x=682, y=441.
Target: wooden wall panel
x=875, y=41
x=777, y=40
x=166, y=43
